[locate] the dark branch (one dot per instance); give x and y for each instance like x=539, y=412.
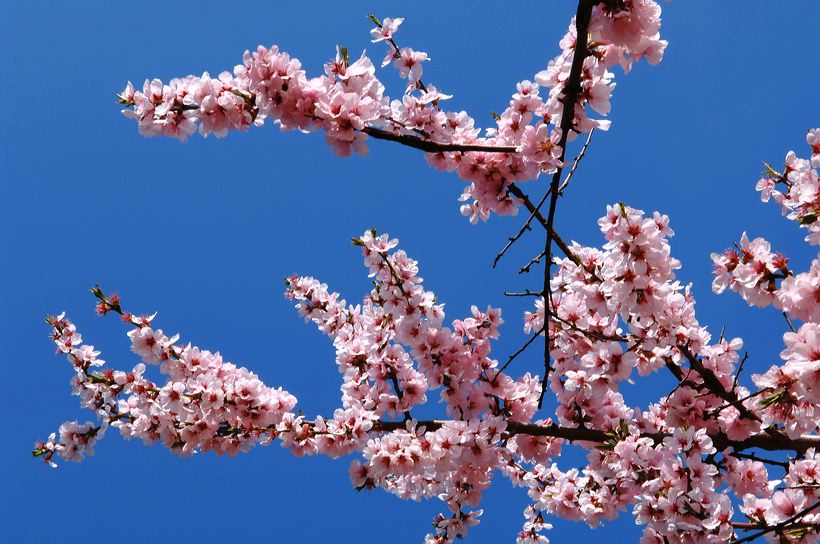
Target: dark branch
x=571, y=94
x=753, y=457
x=431, y=146
x=575, y=164
x=716, y=388
x=720, y=440
x=517, y=353
x=780, y=526
x=533, y=261
x=565, y=249
x=525, y=293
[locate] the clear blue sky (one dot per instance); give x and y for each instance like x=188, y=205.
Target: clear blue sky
x=204, y=232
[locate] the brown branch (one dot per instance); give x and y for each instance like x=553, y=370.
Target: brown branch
x=571, y=94
x=525, y=293
x=534, y=260
x=565, y=249
x=782, y=525
x=677, y=372
x=516, y=354
x=739, y=370
x=753, y=457
x=767, y=442
x=399, y=392
x=714, y=386
x=789, y=322
x=720, y=440
x=431, y=146
x=395, y=277
x=395, y=46
x=526, y=226
x=575, y=164
x=750, y=526
x=750, y=396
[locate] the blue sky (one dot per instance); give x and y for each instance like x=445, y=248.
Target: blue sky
x=204, y=232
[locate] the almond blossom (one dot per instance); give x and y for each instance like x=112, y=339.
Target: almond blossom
x=349, y=104
x=713, y=459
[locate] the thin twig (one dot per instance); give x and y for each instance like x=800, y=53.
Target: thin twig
x=431, y=146
x=739, y=370
x=676, y=370
x=754, y=457
x=524, y=228
x=525, y=293
x=565, y=249
x=516, y=354
x=395, y=277
x=533, y=261
x=392, y=42
x=716, y=411
x=713, y=384
x=399, y=393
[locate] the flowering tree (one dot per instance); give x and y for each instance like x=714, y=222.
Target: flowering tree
x=693, y=466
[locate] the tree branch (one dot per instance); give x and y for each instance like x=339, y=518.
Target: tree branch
x=753, y=457
x=714, y=386
x=575, y=164
x=431, y=146
x=517, y=353
x=572, y=91
x=534, y=260
x=780, y=526
x=537, y=209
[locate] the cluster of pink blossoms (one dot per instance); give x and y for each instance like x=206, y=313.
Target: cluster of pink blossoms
x=677, y=463
x=621, y=309
x=687, y=466
x=348, y=102
x=797, y=188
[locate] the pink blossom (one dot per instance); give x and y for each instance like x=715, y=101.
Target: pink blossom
x=386, y=30
x=606, y=310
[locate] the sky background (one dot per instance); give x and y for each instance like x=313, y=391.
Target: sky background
x=204, y=232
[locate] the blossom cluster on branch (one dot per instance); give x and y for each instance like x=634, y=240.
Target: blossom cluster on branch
x=394, y=349
x=711, y=459
x=348, y=102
